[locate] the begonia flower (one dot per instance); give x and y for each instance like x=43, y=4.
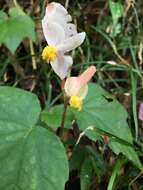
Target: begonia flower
x=61, y=36
x=141, y=111
x=76, y=88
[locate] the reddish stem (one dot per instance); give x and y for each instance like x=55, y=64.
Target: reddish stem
x=62, y=84
x=64, y=112
x=63, y=118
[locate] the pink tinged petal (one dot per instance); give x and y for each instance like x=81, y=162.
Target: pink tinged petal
x=55, y=8
x=62, y=65
x=141, y=111
x=72, y=42
x=50, y=8
x=60, y=9
x=55, y=12
x=85, y=77
x=53, y=32
x=75, y=86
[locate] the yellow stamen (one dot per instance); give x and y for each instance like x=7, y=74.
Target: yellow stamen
x=76, y=102
x=49, y=53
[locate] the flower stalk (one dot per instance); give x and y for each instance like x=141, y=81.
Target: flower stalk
x=63, y=118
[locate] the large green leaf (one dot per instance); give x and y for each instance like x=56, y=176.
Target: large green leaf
x=15, y=28
x=18, y=106
x=53, y=117
x=103, y=111
x=31, y=156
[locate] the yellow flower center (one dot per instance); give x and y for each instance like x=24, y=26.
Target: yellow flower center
x=49, y=53
x=76, y=102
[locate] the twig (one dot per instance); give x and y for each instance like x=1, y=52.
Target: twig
x=66, y=4
x=15, y=3
x=139, y=175
x=32, y=55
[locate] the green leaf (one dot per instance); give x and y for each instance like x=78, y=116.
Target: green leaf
x=116, y=29
x=15, y=28
x=101, y=110
x=92, y=134
x=115, y=173
x=3, y=15
x=86, y=174
x=98, y=162
x=53, y=117
x=30, y=154
x=81, y=153
x=19, y=106
x=126, y=150
x=116, y=11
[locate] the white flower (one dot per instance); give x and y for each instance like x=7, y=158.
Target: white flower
x=61, y=36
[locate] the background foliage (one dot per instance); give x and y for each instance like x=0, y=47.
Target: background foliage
x=102, y=146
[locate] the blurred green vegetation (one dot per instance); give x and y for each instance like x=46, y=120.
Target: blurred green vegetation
x=114, y=44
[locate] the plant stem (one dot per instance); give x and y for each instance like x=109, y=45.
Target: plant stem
x=63, y=117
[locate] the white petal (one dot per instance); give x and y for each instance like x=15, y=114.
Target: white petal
x=70, y=30
x=72, y=86
x=72, y=42
x=68, y=18
x=62, y=65
x=53, y=32
x=83, y=92
x=55, y=12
